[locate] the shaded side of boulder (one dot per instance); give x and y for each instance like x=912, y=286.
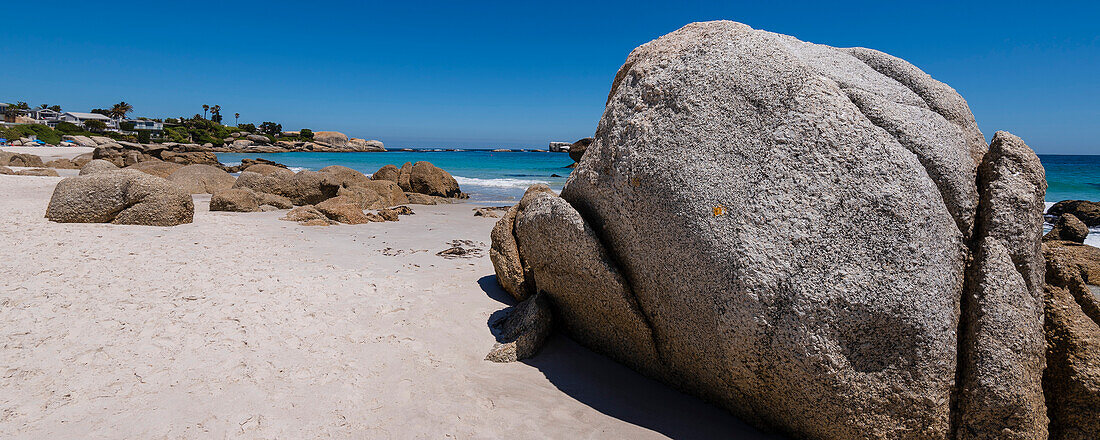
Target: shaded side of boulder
x=120, y=197
x=1068, y=228
x=1002, y=352
x=425, y=178
x=594, y=300
x=97, y=166
x=404, y=175
x=202, y=179
x=522, y=333
x=6, y=170
x=514, y=277
x=1072, y=379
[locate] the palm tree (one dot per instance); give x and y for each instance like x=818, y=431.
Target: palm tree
x=237, y=118
x=119, y=111
x=216, y=113
x=205, y=108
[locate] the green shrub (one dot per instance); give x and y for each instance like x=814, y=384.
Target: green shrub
x=144, y=136
x=68, y=128
x=306, y=134
x=41, y=132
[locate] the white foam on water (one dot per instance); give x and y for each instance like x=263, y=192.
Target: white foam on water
x=497, y=183
x=296, y=169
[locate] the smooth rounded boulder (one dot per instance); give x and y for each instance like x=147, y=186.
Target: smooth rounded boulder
x=202, y=179
x=97, y=166
x=425, y=178
x=302, y=188
x=124, y=197
x=786, y=229
x=334, y=138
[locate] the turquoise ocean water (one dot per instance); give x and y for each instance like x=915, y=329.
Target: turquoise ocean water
x=503, y=176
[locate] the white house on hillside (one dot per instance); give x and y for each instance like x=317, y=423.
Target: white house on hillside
x=81, y=118
x=140, y=124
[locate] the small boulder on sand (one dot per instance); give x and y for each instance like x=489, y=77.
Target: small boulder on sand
x=344, y=210
x=247, y=200
x=523, y=331
x=202, y=179
x=124, y=197
x=44, y=172
x=307, y=215
x=97, y=166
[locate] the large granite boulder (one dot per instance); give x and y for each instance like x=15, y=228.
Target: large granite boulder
x=268, y=170
x=1072, y=378
x=1086, y=211
x=124, y=197
x=302, y=188
x=191, y=158
x=333, y=138
x=425, y=178
x=344, y=209
x=202, y=179
x=97, y=166
x=796, y=232
x=62, y=164
x=157, y=168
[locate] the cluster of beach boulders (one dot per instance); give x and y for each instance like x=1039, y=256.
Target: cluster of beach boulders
x=817, y=239
x=323, y=141
x=332, y=195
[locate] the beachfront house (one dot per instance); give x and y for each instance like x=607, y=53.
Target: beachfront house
x=80, y=118
x=142, y=124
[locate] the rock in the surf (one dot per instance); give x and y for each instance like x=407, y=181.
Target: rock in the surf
x=1086, y=211
x=1068, y=228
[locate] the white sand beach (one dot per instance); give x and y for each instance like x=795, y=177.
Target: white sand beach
x=244, y=326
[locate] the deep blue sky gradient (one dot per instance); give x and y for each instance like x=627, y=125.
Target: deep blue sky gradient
x=514, y=73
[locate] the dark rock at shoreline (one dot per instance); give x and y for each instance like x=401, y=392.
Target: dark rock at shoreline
x=1086, y=211
x=261, y=163
x=387, y=172
x=1068, y=228
x=576, y=151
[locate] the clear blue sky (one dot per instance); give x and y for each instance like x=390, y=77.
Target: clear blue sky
x=513, y=73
